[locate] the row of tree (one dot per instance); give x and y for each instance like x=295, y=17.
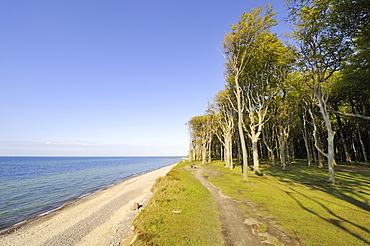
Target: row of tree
x=309, y=98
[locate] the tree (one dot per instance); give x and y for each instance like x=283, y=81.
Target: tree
x=200, y=128
x=264, y=81
x=323, y=47
x=284, y=115
x=257, y=66
x=224, y=116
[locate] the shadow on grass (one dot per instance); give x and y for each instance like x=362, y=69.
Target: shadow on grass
x=355, y=185
x=353, y=188
x=336, y=222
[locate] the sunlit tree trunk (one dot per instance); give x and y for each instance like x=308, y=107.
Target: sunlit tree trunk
x=306, y=141
x=330, y=138
x=269, y=148
x=241, y=130
x=229, y=151
x=256, y=165
x=210, y=148
x=283, y=135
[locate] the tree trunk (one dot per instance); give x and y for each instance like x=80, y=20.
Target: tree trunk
x=241, y=130
x=256, y=165
x=355, y=152
x=306, y=143
x=331, y=133
x=282, y=150
x=270, y=150
x=343, y=139
x=210, y=149
x=204, y=153
x=317, y=143
x=228, y=152
x=289, y=156
x=331, y=156
x=362, y=145
x=314, y=152
x=222, y=158
x=273, y=159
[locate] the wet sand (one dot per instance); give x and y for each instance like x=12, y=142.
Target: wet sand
x=105, y=218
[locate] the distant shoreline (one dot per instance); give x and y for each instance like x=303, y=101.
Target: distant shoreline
x=117, y=198
x=51, y=210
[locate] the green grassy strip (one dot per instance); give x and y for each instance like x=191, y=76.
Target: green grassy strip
x=181, y=212
x=304, y=204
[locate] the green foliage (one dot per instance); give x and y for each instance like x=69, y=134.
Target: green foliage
x=181, y=212
x=255, y=54
x=304, y=204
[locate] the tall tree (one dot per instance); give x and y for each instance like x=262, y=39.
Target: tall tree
x=200, y=128
x=323, y=47
x=223, y=111
x=285, y=113
x=256, y=65
x=264, y=80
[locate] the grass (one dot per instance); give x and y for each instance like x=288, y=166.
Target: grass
x=181, y=212
x=303, y=203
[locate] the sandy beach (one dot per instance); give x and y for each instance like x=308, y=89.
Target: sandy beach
x=104, y=218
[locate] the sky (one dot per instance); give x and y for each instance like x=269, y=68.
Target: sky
x=110, y=78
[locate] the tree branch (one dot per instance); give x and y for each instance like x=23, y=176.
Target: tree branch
x=350, y=115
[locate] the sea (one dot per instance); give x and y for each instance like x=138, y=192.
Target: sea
x=33, y=186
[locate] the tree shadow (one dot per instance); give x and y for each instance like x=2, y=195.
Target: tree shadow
x=338, y=222
x=353, y=189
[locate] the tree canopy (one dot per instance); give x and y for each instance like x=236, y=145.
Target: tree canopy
x=310, y=100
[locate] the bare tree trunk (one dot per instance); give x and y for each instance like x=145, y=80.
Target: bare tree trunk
x=289, y=155
x=320, y=157
x=222, y=147
x=355, y=152
x=282, y=155
x=343, y=139
x=331, y=160
x=269, y=149
x=229, y=152
x=204, y=153
x=345, y=147
x=241, y=130
x=273, y=159
x=331, y=133
x=314, y=152
x=362, y=145
x=226, y=156
x=210, y=148
x=317, y=143
x=255, y=132
x=282, y=148
x=256, y=166
x=306, y=143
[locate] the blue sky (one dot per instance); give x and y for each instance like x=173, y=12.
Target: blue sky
x=110, y=78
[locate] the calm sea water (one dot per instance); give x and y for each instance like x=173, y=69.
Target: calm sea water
x=30, y=186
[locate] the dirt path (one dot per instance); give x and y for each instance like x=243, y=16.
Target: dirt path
x=238, y=229
x=102, y=219
x=234, y=231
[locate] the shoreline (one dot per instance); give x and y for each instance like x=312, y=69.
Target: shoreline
x=45, y=212
x=140, y=183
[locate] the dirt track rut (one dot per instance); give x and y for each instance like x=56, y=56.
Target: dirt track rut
x=235, y=232
x=238, y=230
